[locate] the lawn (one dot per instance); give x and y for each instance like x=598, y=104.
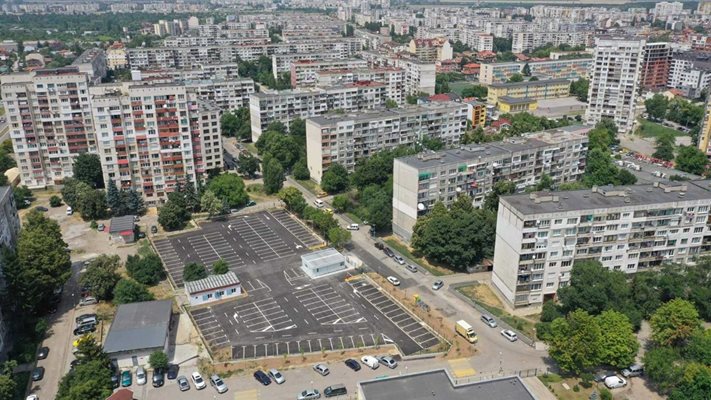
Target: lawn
x=485, y=297
x=458, y=86
x=651, y=129
x=574, y=391
x=310, y=185
x=405, y=250
x=2, y=111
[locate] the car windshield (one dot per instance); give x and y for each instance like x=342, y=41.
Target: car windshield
x=218, y=382
x=198, y=379
x=277, y=375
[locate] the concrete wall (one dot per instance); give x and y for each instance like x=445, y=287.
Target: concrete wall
x=405, y=183
x=506, y=252
x=314, y=151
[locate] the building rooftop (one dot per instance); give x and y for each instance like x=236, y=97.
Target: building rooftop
x=604, y=197
x=322, y=258
x=137, y=326
x=212, y=282
x=369, y=115
x=542, y=82
x=438, y=385
x=700, y=60
x=122, y=224
x=516, y=100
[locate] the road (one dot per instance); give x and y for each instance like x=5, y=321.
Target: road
x=647, y=171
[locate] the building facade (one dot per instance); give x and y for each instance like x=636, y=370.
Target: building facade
x=345, y=139
x=392, y=78
x=420, y=181
x=539, y=236
x=437, y=49
x=213, y=288
x=555, y=69
x=690, y=72
x=92, y=62
x=614, y=81
x=303, y=72
x=656, y=61
x=535, y=90
x=227, y=94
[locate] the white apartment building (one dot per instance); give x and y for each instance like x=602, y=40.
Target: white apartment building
x=345, y=139
x=93, y=63
x=527, y=41
x=422, y=180
x=228, y=95
x=116, y=56
x=199, y=72
x=666, y=9
x=614, y=81
x=392, y=78
x=303, y=72
x=419, y=76
x=287, y=105
x=49, y=117
x=690, y=72
x=539, y=236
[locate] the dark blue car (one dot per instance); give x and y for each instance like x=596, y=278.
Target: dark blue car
x=353, y=364
x=262, y=377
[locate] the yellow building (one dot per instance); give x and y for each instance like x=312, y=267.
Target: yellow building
x=705, y=131
x=476, y=113
x=509, y=104
x=536, y=90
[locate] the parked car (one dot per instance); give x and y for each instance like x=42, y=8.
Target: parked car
x=353, y=227
x=101, y=227
x=388, y=361
x=437, y=285
x=335, y=390
x=183, y=383
x=218, y=383
x=509, y=335
x=141, y=235
x=633, y=370
x=85, y=317
x=70, y=211
x=309, y=394
x=42, y=353
x=322, y=369
x=600, y=376
x=154, y=229
x=388, y=252
x=32, y=397
x=84, y=329
x=141, y=376
x=37, y=374
x=614, y=382
x=88, y=300
x=394, y=280
x=41, y=209
x=261, y=377
x=172, y=372
x=126, y=378
x=158, y=377
x=379, y=246
x=370, y=361
x=115, y=377
x=277, y=376
x=411, y=268
x=74, y=363
x=399, y=260
x=489, y=320
x=353, y=364
x=198, y=381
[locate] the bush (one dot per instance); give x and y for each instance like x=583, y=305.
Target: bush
x=146, y=270
x=93, y=225
x=586, y=380
x=55, y=201
x=194, y=272
x=576, y=388
x=158, y=359
x=130, y=291
x=605, y=394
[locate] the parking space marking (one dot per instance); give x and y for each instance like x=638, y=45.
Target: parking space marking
x=296, y=228
x=264, y=316
x=327, y=306
x=209, y=327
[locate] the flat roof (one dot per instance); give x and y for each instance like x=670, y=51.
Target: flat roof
x=516, y=100
x=438, y=385
x=323, y=258
x=212, y=282
x=137, y=326
x=663, y=192
x=370, y=115
x=541, y=82
x=121, y=224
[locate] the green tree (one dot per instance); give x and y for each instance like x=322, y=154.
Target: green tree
x=593, y=288
x=146, y=270
x=341, y=203
x=698, y=347
x=248, y=165
x=662, y=367
x=194, y=272
x=674, y=322
x=575, y=342
x=501, y=188
x=579, y=89
x=101, y=276
x=113, y=199
x=301, y=171
x=297, y=127
x=625, y=177
x=211, y=204
x=692, y=160
x=55, y=201
x=134, y=202
x=229, y=124
x=173, y=216
x=335, y=179
x=618, y=344
x=230, y=189
x=376, y=207
x=665, y=146
x=92, y=205
x=293, y=199
x=599, y=169
x=696, y=384
x=7, y=387
x=516, y=78
x=390, y=103
x=220, y=267
x=87, y=169
x=158, y=360
x=526, y=71
x=599, y=139
x=280, y=146
x=273, y=175
x=88, y=380
x=22, y=195
x=478, y=91
x=657, y=106
x=338, y=237
x=72, y=190
x=130, y=291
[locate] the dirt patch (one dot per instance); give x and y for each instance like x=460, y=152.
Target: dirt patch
x=482, y=294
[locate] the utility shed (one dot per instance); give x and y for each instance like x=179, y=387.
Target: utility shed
x=323, y=262
x=213, y=288
x=122, y=229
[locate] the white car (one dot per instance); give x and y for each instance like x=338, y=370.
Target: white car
x=32, y=397
x=309, y=394
x=437, y=285
x=394, y=280
x=509, y=335
x=87, y=301
x=198, y=381
x=370, y=361
x=353, y=227
x=140, y=376
x=277, y=376
x=614, y=382
x=400, y=260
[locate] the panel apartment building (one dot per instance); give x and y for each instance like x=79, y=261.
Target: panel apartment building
x=345, y=139
x=303, y=72
x=50, y=120
x=392, y=78
x=287, y=105
x=419, y=75
x=534, y=90
x=539, y=236
x=555, y=69
x=420, y=181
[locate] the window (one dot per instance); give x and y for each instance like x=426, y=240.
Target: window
x=536, y=286
x=566, y=263
x=572, y=220
x=550, y=284
x=699, y=229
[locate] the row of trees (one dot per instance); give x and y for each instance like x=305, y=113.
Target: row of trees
x=195, y=271
x=104, y=282
x=677, y=109
x=321, y=220
x=261, y=71
x=688, y=158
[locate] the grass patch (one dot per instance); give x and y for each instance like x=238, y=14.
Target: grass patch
x=458, y=86
x=651, y=129
x=403, y=249
x=2, y=111
x=483, y=296
x=144, y=248
x=576, y=391
x=21, y=379
x=251, y=147
x=354, y=218
x=310, y=185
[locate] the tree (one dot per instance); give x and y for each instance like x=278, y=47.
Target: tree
x=277, y=126
x=657, y=106
x=376, y=207
x=273, y=175
x=579, y=89
x=220, y=267
x=692, y=160
x=526, y=71
x=390, y=103
x=300, y=170
x=158, y=360
x=230, y=189
x=280, y=146
x=674, y=322
x=73, y=189
x=478, y=91
x=113, y=198
x=625, y=177
x=297, y=127
x=599, y=169
x=87, y=169
x=88, y=380
x=575, y=342
x=101, y=276
x=698, y=347
x=335, y=179
x=338, y=237
x=7, y=387
x=130, y=291
x=229, y=124
x=516, y=78
x=173, y=216
x=92, y=205
x=665, y=146
x=696, y=384
x=212, y=205
x=599, y=139
x=593, y=288
x=293, y=199
x=662, y=367
x=55, y=201
x=501, y=188
x=134, y=202
x=341, y=203
x=146, y=270
x=194, y=272
x=618, y=344
x=248, y=165
x=21, y=195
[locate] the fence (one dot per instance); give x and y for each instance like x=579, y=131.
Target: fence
x=485, y=376
x=453, y=288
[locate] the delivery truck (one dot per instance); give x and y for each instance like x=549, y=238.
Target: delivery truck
x=463, y=328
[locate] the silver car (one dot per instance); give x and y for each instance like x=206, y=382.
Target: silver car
x=309, y=394
x=277, y=376
x=322, y=369
x=140, y=376
x=218, y=383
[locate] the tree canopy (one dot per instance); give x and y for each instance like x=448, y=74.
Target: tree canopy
x=130, y=291
x=230, y=189
x=273, y=175
x=194, y=272
x=101, y=276
x=87, y=169
x=674, y=322
x=692, y=160
x=335, y=179
x=147, y=270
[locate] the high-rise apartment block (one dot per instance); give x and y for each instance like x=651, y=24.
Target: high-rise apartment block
x=303, y=73
x=419, y=75
x=526, y=41
x=345, y=139
x=392, y=78
x=656, y=62
x=226, y=94
x=116, y=56
x=50, y=120
x=614, y=81
x=690, y=72
x=420, y=181
x=539, y=236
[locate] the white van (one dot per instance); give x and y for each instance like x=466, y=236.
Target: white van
x=70, y=211
x=353, y=227
x=319, y=203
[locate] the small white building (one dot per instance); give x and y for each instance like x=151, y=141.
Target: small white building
x=323, y=262
x=213, y=288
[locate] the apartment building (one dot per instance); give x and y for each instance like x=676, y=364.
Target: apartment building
x=419, y=75
x=303, y=72
x=573, y=69
x=656, y=61
x=116, y=56
x=226, y=94
x=527, y=41
x=437, y=49
x=199, y=72
x=614, y=81
x=153, y=136
x=539, y=236
x=345, y=139
x=392, y=78
x=49, y=116
x=534, y=90
x=93, y=63
x=287, y=105
x=705, y=130
x=476, y=39
x=9, y=231
x=690, y=72
x=420, y=181
x=664, y=9
x=476, y=112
